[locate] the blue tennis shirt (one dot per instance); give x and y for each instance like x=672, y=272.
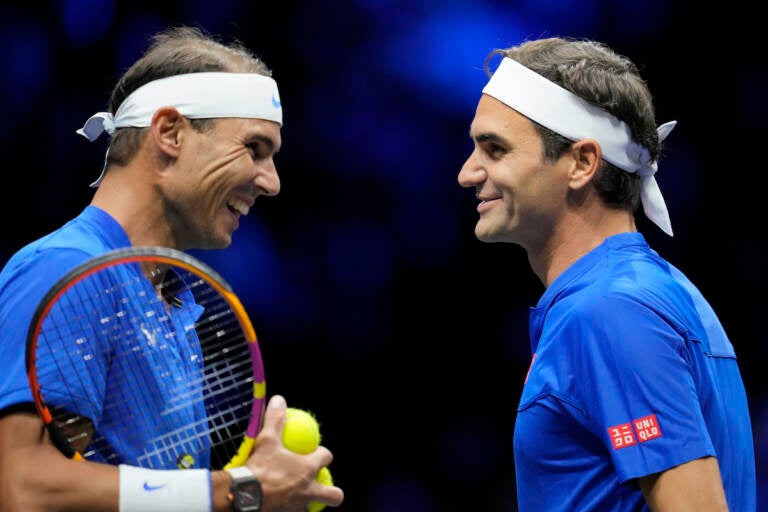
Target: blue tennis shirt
x=150, y=429
x=632, y=374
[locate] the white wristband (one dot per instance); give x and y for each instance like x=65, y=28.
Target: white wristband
x=175, y=490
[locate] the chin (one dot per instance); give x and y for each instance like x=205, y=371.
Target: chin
x=485, y=235
x=222, y=244
x=485, y=238
x=222, y=238
x=215, y=243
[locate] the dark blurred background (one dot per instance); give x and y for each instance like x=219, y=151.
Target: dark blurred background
x=376, y=307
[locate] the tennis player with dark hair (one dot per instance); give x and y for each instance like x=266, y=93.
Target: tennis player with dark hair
x=194, y=124
x=634, y=399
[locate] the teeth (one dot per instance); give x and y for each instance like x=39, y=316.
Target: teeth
x=240, y=206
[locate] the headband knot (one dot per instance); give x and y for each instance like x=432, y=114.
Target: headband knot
x=571, y=116
x=96, y=125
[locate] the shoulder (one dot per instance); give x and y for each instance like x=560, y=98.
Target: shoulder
x=624, y=280
x=612, y=306
x=36, y=267
x=33, y=271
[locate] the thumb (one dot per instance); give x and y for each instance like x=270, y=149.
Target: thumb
x=277, y=402
x=274, y=419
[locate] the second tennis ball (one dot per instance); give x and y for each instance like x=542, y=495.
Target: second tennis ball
x=325, y=478
x=302, y=432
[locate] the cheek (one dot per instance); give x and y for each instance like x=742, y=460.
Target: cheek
x=528, y=185
x=549, y=191
x=226, y=167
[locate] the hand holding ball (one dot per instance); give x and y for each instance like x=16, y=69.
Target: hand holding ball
x=302, y=435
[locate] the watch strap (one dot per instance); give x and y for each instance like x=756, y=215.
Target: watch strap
x=239, y=472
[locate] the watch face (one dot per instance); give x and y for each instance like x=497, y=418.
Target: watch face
x=246, y=496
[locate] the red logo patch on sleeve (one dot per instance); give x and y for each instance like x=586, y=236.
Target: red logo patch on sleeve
x=647, y=428
x=621, y=436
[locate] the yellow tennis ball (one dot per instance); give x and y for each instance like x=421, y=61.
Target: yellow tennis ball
x=302, y=432
x=325, y=478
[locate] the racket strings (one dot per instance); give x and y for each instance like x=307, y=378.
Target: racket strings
x=228, y=378
x=58, y=363
x=155, y=363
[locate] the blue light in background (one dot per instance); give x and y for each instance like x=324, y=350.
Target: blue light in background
x=254, y=268
x=559, y=18
x=216, y=17
x=637, y=21
x=26, y=64
x=361, y=258
x=442, y=56
x=86, y=22
x=132, y=38
x=428, y=223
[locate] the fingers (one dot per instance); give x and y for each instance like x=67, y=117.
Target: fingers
x=321, y=457
x=330, y=495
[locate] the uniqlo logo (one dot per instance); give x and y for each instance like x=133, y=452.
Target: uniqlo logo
x=647, y=428
x=622, y=436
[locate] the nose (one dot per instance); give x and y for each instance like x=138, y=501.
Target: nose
x=471, y=173
x=267, y=178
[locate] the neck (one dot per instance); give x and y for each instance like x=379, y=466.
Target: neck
x=134, y=202
x=574, y=237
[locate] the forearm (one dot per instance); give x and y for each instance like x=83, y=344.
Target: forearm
x=695, y=486
x=35, y=476
x=59, y=484
x=41, y=479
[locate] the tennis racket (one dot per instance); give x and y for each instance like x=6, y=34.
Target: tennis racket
x=145, y=356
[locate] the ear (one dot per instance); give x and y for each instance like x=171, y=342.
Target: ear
x=166, y=126
x=587, y=156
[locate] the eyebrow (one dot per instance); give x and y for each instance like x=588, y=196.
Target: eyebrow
x=490, y=137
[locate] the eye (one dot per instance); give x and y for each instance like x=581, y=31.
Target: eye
x=492, y=145
x=261, y=148
x=256, y=149
x=494, y=150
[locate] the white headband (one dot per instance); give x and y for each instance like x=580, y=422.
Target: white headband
x=563, y=112
x=194, y=95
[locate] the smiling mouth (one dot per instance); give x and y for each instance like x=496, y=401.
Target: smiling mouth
x=237, y=206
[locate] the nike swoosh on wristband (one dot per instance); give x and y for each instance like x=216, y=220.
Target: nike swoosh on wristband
x=275, y=102
x=148, y=487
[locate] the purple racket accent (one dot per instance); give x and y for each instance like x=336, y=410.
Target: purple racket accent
x=259, y=392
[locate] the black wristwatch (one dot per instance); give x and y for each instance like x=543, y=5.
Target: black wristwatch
x=245, y=490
